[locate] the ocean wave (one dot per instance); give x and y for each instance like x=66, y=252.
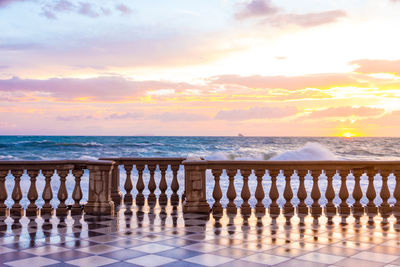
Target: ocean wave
x=310, y=151
x=7, y=157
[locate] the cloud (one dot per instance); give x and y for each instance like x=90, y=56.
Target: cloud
x=100, y=89
x=4, y=3
x=19, y=46
x=256, y=8
x=75, y=118
x=87, y=10
x=125, y=10
x=50, y=10
x=276, y=17
x=377, y=66
x=255, y=113
x=347, y=112
x=178, y=116
x=327, y=80
x=123, y=116
x=306, y=20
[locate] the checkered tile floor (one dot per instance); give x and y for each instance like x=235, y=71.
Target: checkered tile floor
x=163, y=236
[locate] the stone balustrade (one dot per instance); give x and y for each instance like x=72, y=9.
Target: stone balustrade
x=104, y=186
x=195, y=185
x=99, y=200
x=141, y=164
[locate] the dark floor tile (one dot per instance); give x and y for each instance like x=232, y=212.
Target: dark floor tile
x=298, y=263
x=25, y=244
x=68, y=255
x=124, y=254
x=13, y=256
x=236, y=253
x=179, y=253
x=240, y=263
x=181, y=264
x=121, y=264
x=78, y=243
x=127, y=243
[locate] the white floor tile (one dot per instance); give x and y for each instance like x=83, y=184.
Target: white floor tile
x=151, y=260
x=209, y=260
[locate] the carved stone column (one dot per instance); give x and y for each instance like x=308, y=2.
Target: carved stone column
x=32, y=209
x=116, y=194
x=99, y=201
x=47, y=194
x=3, y=194
x=77, y=193
x=217, y=192
x=195, y=187
x=357, y=208
x=330, y=208
x=16, y=209
x=385, y=209
x=302, y=193
x=174, y=184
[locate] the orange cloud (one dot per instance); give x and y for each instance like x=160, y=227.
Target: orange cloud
x=347, y=112
x=377, y=66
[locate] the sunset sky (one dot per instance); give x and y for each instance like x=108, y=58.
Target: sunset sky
x=200, y=67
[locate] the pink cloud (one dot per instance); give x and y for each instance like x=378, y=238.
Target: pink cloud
x=4, y=3
x=178, y=116
x=256, y=8
x=306, y=20
x=346, y=112
x=255, y=113
x=94, y=89
x=125, y=10
x=288, y=82
x=377, y=66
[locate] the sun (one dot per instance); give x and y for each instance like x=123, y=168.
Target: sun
x=349, y=134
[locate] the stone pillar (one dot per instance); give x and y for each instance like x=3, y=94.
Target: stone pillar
x=116, y=194
x=99, y=201
x=195, y=187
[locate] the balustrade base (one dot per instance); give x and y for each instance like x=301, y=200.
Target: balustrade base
x=259, y=209
x=103, y=208
x=385, y=211
x=344, y=210
x=288, y=210
x=4, y=212
x=16, y=212
x=315, y=210
x=174, y=199
x=196, y=207
x=217, y=209
x=140, y=200
x=371, y=209
x=128, y=199
x=231, y=210
x=302, y=210
x=33, y=212
x=331, y=211
x=45, y=211
x=358, y=210
x=246, y=210
x=274, y=210
x=116, y=198
x=61, y=212
x=163, y=200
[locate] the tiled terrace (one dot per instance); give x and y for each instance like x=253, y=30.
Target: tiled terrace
x=163, y=235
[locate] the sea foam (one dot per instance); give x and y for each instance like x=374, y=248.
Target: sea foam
x=310, y=151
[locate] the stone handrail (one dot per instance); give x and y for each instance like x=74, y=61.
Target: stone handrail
x=99, y=201
x=195, y=185
x=140, y=164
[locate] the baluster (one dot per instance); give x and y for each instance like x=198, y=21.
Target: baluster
x=357, y=193
x=217, y=192
x=371, y=193
x=330, y=208
x=62, y=193
x=273, y=193
x=3, y=194
x=174, y=184
x=315, y=194
x=245, y=194
x=16, y=209
x=385, y=208
x=77, y=193
x=47, y=194
x=288, y=195
x=344, y=208
x=231, y=193
x=140, y=185
x=32, y=209
x=396, y=195
x=128, y=184
x=152, y=184
x=259, y=195
x=302, y=193
x=163, y=185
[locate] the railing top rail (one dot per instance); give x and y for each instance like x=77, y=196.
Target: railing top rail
x=297, y=165
x=43, y=164
x=145, y=160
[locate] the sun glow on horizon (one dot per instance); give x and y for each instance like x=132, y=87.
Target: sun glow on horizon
x=349, y=134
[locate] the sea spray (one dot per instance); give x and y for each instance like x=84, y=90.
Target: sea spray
x=310, y=151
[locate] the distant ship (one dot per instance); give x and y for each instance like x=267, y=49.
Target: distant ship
x=240, y=135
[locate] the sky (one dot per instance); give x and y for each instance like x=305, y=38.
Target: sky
x=200, y=67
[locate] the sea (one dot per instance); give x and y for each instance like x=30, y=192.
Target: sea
x=207, y=147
